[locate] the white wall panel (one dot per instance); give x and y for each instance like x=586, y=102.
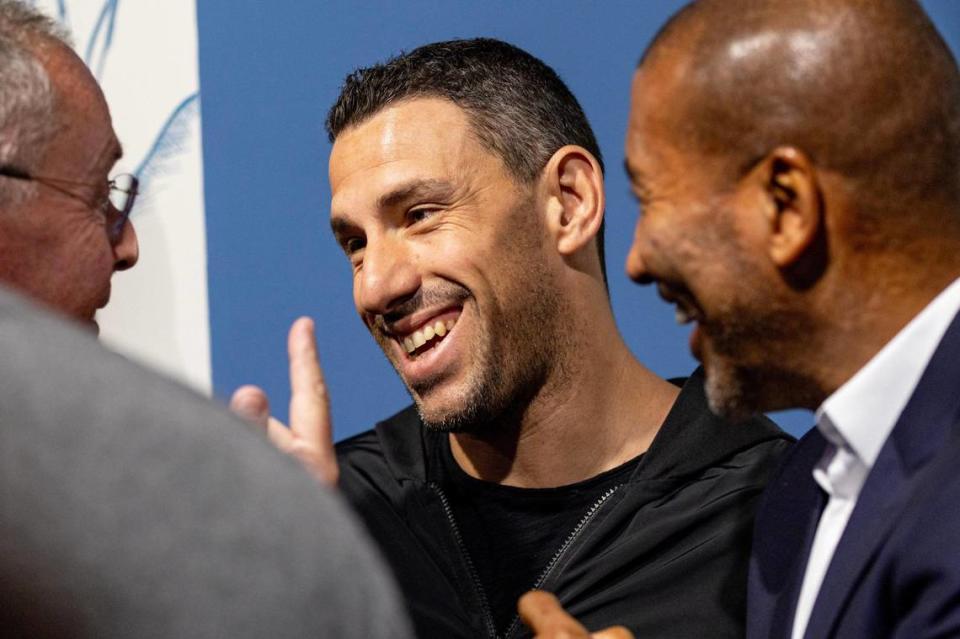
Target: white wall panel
x=144, y=53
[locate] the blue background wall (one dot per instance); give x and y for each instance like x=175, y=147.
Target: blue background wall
x=268, y=74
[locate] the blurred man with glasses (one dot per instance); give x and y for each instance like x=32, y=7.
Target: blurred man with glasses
x=63, y=220
x=129, y=506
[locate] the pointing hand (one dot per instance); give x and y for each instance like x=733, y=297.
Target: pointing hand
x=310, y=435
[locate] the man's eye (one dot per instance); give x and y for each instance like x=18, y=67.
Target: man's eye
x=103, y=203
x=417, y=215
x=352, y=245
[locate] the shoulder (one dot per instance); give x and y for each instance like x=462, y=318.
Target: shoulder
x=162, y=491
x=931, y=523
x=694, y=441
x=382, y=458
x=796, y=465
x=920, y=565
x=359, y=448
x=399, y=434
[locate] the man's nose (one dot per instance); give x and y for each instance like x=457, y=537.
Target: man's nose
x=388, y=276
x=126, y=251
x=636, y=266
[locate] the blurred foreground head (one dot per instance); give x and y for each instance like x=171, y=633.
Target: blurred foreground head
x=797, y=163
x=61, y=233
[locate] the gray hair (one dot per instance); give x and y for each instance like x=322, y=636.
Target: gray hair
x=27, y=100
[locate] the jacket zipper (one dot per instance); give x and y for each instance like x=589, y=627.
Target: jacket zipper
x=564, y=547
x=557, y=556
x=484, y=604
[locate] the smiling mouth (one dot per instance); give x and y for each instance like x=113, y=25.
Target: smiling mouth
x=685, y=315
x=685, y=310
x=426, y=337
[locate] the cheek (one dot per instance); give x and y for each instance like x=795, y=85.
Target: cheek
x=93, y=248
x=81, y=247
x=453, y=254
x=656, y=247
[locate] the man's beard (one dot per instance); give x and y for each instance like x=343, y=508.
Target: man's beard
x=510, y=367
x=751, y=364
x=749, y=344
x=514, y=352
x=515, y=349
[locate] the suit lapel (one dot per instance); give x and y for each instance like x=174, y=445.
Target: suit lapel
x=786, y=523
x=920, y=431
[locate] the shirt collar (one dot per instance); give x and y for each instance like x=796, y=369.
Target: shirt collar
x=861, y=413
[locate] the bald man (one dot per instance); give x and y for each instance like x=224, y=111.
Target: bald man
x=798, y=166
x=798, y=163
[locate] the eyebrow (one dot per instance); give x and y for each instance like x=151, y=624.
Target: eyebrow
x=340, y=225
x=417, y=189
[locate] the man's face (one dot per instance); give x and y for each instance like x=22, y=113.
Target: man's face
x=448, y=257
x=694, y=241
x=56, y=247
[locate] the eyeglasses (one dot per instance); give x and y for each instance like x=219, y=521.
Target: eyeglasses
x=121, y=194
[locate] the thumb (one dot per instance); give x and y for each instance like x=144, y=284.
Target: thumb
x=251, y=404
x=543, y=614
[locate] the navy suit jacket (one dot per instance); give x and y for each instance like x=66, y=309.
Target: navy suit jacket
x=896, y=570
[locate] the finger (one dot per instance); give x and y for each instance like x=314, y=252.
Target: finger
x=543, y=614
x=309, y=408
x=279, y=434
x=309, y=401
x=617, y=632
x=320, y=467
x=252, y=404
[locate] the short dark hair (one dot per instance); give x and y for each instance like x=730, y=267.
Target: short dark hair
x=518, y=107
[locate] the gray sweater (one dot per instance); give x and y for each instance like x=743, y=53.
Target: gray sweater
x=132, y=507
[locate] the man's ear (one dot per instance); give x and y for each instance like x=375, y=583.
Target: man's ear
x=792, y=205
x=573, y=186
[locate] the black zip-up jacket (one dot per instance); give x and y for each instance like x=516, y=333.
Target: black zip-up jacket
x=664, y=554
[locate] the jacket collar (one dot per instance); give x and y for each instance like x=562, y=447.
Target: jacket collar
x=922, y=429
x=691, y=438
x=786, y=523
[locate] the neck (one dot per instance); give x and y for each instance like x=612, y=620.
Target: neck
x=600, y=409
x=884, y=306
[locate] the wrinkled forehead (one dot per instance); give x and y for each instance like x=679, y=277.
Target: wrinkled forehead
x=85, y=134
x=424, y=138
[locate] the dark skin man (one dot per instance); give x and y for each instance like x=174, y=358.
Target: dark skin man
x=797, y=167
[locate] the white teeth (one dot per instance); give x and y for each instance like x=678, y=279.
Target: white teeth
x=683, y=317
x=418, y=338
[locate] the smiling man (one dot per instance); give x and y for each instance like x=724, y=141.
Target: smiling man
x=468, y=196
x=798, y=166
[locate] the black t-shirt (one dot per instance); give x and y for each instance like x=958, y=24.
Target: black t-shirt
x=510, y=533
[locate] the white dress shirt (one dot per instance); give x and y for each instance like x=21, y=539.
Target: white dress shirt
x=856, y=421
